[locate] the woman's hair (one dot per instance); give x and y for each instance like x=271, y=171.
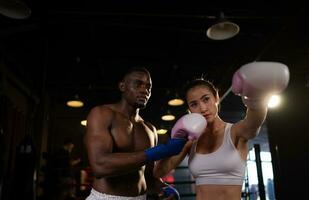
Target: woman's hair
x=200, y=82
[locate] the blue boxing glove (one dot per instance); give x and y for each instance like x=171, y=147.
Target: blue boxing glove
x=171, y=148
x=168, y=191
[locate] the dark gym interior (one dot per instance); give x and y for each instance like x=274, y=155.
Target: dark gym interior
x=68, y=48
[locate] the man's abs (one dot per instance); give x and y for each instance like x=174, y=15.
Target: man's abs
x=132, y=184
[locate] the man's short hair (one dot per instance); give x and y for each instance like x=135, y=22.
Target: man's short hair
x=134, y=69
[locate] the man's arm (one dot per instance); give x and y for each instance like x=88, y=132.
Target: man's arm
x=99, y=145
x=156, y=170
x=164, y=166
x=156, y=188
x=188, y=128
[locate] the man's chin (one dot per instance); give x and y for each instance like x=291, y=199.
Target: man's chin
x=140, y=105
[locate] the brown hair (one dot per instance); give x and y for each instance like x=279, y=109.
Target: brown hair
x=201, y=82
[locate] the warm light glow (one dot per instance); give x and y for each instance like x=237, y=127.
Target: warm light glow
x=175, y=102
x=168, y=117
x=222, y=30
x=274, y=101
x=161, y=131
x=83, y=122
x=75, y=103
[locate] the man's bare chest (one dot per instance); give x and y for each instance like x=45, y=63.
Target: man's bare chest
x=130, y=137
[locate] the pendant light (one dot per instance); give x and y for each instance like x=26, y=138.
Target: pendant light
x=75, y=102
x=14, y=9
x=223, y=29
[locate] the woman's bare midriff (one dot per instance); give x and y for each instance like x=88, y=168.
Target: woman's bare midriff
x=218, y=192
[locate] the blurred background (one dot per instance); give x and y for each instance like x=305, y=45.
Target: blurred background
x=55, y=51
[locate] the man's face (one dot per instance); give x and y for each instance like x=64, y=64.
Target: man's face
x=136, y=88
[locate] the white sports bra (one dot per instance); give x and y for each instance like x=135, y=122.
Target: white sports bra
x=221, y=167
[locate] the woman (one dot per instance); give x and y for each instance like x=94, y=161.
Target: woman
x=217, y=159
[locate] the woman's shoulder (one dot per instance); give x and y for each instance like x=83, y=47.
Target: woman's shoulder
x=222, y=125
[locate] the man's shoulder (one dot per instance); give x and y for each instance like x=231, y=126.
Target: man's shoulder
x=102, y=112
x=150, y=126
x=105, y=108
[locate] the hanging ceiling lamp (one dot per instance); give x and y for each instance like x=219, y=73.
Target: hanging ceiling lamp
x=83, y=122
x=168, y=116
x=223, y=29
x=14, y=9
x=176, y=101
x=75, y=102
x=162, y=131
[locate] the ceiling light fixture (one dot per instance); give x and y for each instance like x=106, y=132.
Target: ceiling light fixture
x=83, y=122
x=175, y=101
x=162, y=131
x=168, y=116
x=223, y=29
x=75, y=103
x=14, y=9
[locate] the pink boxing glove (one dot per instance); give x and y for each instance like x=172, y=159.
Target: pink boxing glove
x=256, y=81
x=189, y=126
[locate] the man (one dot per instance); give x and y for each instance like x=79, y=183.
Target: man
x=121, y=145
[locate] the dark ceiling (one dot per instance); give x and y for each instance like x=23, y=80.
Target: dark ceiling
x=73, y=46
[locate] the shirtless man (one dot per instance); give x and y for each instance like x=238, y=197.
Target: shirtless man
x=122, y=147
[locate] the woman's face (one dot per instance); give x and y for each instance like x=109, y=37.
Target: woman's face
x=201, y=100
